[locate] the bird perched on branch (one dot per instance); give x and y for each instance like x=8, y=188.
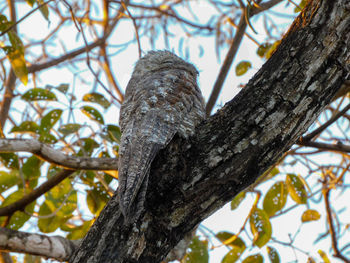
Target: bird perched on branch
x=162, y=98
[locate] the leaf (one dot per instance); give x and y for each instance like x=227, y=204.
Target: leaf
x=93, y=114
x=26, y=126
x=242, y=67
x=18, y=63
x=275, y=198
x=97, y=98
x=30, y=2
x=301, y=6
x=10, y=160
x=88, y=145
x=198, y=252
x=49, y=120
x=273, y=255
x=237, y=200
x=272, y=49
x=69, y=128
x=44, y=9
x=323, y=256
x=96, y=200
x=47, y=138
x=237, y=245
x=80, y=231
x=4, y=23
x=63, y=88
x=310, y=215
x=296, y=189
x=261, y=227
x=31, y=170
x=263, y=49
x=60, y=203
x=18, y=219
x=257, y=258
x=37, y=94
x=7, y=180
x=114, y=133
x=31, y=259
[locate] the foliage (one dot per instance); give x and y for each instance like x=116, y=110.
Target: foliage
x=77, y=115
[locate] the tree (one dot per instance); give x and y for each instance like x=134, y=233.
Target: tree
x=246, y=138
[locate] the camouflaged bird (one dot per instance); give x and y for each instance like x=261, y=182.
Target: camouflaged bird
x=162, y=98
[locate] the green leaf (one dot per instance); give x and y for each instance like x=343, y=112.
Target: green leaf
x=18, y=218
x=242, y=67
x=30, y=2
x=69, y=128
x=60, y=203
x=114, y=133
x=272, y=49
x=49, y=120
x=10, y=160
x=26, y=126
x=44, y=9
x=96, y=200
x=198, y=252
x=301, y=6
x=273, y=255
x=92, y=113
x=296, y=189
x=47, y=138
x=88, y=146
x=80, y=231
x=7, y=180
x=237, y=200
x=262, y=49
x=261, y=227
x=323, y=256
x=63, y=88
x=31, y=259
x=257, y=258
x=310, y=215
x=4, y=23
x=97, y=98
x=237, y=245
x=275, y=198
x=37, y=94
x=31, y=171
x=18, y=63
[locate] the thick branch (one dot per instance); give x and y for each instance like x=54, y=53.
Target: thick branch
x=190, y=180
x=55, y=247
x=53, y=156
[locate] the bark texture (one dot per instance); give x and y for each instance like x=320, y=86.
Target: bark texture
x=191, y=179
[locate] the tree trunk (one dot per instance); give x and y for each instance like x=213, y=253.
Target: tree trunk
x=192, y=179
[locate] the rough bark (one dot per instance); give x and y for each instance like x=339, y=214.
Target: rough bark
x=192, y=179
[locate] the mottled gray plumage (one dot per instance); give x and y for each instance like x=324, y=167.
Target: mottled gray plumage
x=162, y=98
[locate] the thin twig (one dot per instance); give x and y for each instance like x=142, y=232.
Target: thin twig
x=325, y=192
x=325, y=146
x=320, y=129
x=27, y=15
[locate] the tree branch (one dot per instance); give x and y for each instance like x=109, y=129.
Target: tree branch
x=56, y=157
x=191, y=179
x=32, y=196
x=320, y=129
x=325, y=146
x=54, y=247
x=325, y=193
